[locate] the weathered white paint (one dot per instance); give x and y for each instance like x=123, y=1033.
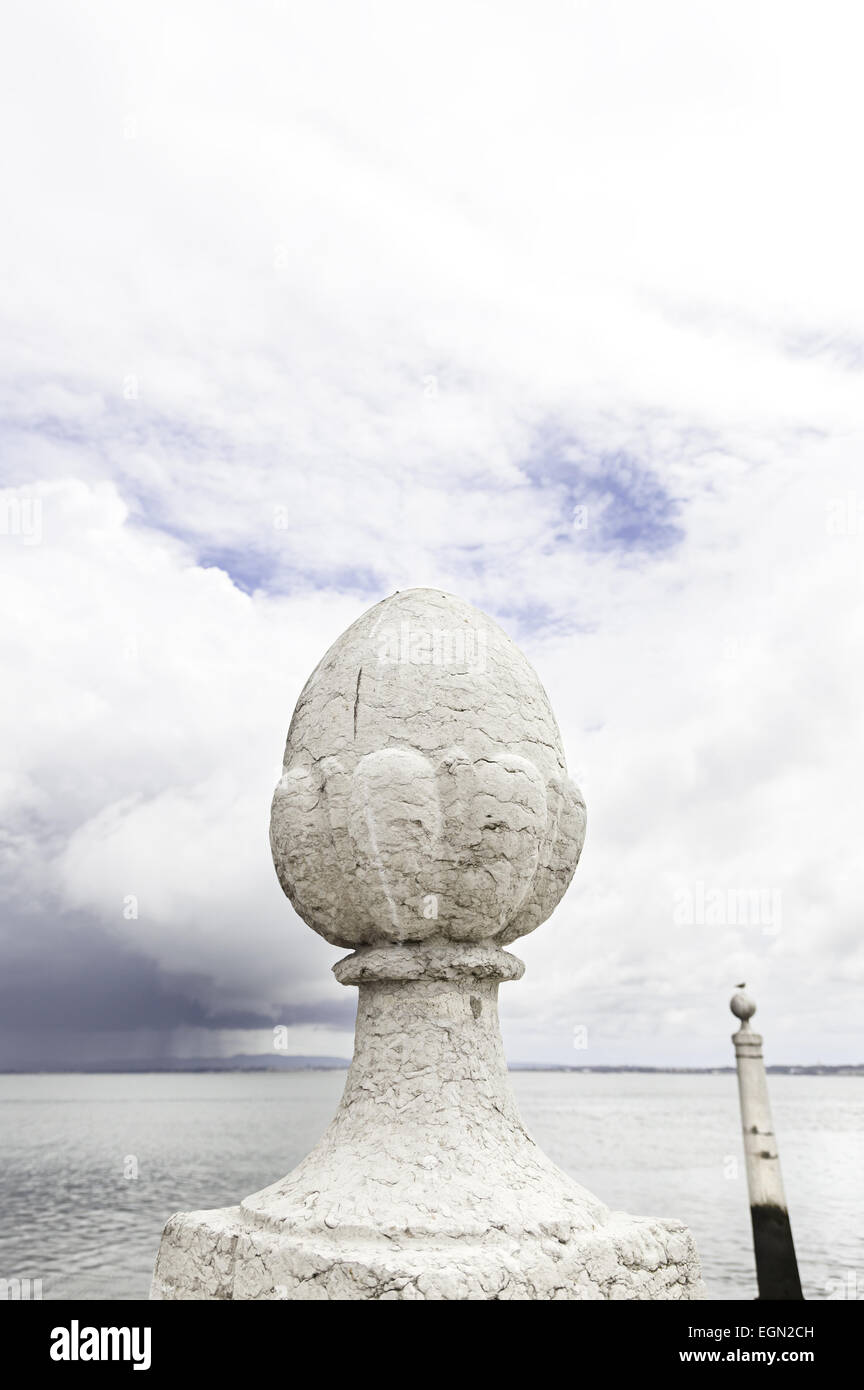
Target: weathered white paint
x=764, y=1182
x=426, y=819
x=776, y=1265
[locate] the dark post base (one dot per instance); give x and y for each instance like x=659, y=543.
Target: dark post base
x=776, y=1265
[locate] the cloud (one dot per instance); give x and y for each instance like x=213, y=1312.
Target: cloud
x=563, y=317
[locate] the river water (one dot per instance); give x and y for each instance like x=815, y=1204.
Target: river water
x=92, y=1166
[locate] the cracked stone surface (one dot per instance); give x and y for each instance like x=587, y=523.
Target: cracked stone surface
x=408, y=775
x=425, y=818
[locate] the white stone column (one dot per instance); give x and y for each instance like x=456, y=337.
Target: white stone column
x=776, y=1265
x=425, y=820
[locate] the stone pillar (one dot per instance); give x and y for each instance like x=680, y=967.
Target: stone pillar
x=424, y=820
x=776, y=1265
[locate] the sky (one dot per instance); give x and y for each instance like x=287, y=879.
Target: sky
x=556, y=307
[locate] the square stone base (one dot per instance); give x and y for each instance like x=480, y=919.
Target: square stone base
x=221, y=1254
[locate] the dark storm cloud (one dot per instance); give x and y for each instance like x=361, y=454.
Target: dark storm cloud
x=64, y=977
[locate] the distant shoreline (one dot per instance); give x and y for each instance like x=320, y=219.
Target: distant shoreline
x=197, y=1066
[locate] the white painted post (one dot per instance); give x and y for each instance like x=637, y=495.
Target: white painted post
x=776, y=1264
x=425, y=820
